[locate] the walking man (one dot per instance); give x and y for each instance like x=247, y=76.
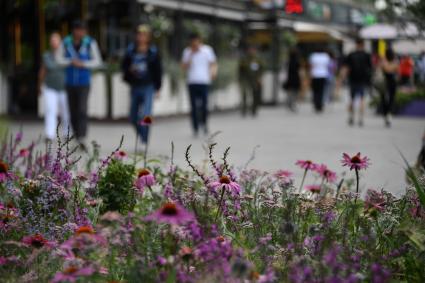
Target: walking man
x=52, y=87
x=358, y=67
x=143, y=72
x=79, y=53
x=199, y=62
x=250, y=75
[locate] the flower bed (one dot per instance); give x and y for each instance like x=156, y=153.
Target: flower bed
x=116, y=222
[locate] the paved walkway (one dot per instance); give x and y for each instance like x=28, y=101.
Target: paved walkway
x=283, y=137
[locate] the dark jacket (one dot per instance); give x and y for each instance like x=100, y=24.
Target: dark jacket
x=293, y=81
x=153, y=74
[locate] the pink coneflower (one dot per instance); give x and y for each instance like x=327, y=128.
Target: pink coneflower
x=4, y=168
x=284, y=176
x=306, y=164
x=171, y=213
x=72, y=274
x=356, y=162
x=144, y=179
x=24, y=152
x=120, y=155
x=327, y=174
x=226, y=184
x=36, y=241
x=315, y=189
x=84, y=230
x=146, y=121
x=186, y=253
x=92, y=202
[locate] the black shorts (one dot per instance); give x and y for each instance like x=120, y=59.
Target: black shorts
x=357, y=90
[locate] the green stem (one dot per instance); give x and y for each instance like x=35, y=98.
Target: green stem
x=135, y=148
x=219, y=204
x=357, y=186
x=145, y=155
x=302, y=181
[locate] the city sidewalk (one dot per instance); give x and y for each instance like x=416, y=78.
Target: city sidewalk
x=282, y=137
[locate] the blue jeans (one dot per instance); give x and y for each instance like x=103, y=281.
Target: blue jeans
x=199, y=105
x=141, y=106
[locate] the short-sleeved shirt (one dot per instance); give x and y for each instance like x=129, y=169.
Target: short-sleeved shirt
x=199, y=64
x=320, y=62
x=359, y=65
x=55, y=74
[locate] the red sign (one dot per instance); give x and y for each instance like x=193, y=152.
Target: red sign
x=294, y=6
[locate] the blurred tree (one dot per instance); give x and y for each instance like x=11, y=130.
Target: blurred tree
x=404, y=10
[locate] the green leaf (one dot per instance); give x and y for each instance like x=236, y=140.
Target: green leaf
x=411, y=175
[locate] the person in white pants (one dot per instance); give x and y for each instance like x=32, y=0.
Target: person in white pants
x=52, y=86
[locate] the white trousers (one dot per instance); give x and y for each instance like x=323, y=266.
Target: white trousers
x=55, y=104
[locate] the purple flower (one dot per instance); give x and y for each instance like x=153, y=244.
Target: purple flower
x=171, y=213
x=144, y=179
x=315, y=189
x=374, y=201
x=4, y=168
x=226, y=184
x=161, y=261
x=379, y=273
x=355, y=162
x=36, y=241
x=306, y=164
x=327, y=174
x=284, y=176
x=146, y=121
x=18, y=137
x=120, y=155
x=72, y=274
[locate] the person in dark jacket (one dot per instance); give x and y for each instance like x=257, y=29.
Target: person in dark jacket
x=251, y=70
x=389, y=67
x=79, y=54
x=292, y=84
x=143, y=72
x=358, y=67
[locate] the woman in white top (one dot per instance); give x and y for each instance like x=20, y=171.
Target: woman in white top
x=199, y=62
x=319, y=71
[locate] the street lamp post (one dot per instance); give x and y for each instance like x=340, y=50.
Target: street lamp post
x=275, y=52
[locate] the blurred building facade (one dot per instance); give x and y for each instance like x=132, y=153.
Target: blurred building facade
x=227, y=25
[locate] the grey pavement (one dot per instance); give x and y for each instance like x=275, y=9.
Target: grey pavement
x=282, y=137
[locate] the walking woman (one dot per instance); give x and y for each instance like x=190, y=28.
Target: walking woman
x=52, y=87
x=143, y=72
x=292, y=84
x=389, y=67
x=319, y=71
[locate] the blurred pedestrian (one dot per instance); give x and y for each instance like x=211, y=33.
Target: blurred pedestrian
x=80, y=54
x=330, y=82
x=199, y=62
x=52, y=87
x=358, y=66
x=319, y=72
x=389, y=67
x=292, y=84
x=250, y=77
x=142, y=70
x=421, y=67
x=406, y=70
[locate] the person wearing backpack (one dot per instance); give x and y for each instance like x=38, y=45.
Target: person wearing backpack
x=358, y=67
x=142, y=70
x=79, y=54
